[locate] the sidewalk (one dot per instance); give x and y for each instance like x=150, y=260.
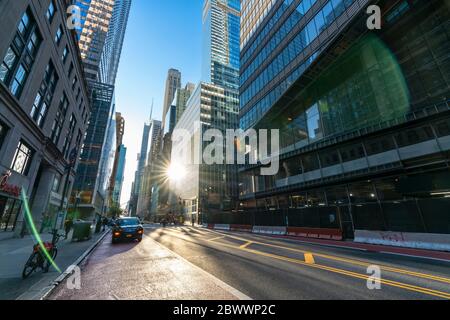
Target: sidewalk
x=15, y=252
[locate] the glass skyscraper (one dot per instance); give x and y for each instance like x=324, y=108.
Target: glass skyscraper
x=363, y=117
x=101, y=38
x=121, y=161
x=212, y=189
x=221, y=25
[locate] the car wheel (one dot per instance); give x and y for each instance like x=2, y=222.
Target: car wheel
x=139, y=239
x=114, y=241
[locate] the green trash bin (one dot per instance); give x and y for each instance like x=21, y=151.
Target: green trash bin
x=81, y=231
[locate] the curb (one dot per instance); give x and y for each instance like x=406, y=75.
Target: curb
x=69, y=270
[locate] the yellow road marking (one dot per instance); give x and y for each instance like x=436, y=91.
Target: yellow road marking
x=309, y=258
x=352, y=261
x=246, y=245
x=404, y=286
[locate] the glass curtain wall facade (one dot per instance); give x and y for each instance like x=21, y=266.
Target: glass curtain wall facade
x=96, y=19
x=221, y=30
x=109, y=61
x=208, y=189
x=363, y=118
x=117, y=192
x=88, y=195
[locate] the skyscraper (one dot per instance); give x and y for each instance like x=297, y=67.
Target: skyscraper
x=120, y=130
x=221, y=26
x=212, y=189
x=100, y=41
x=101, y=36
x=90, y=190
x=253, y=14
x=363, y=118
x=96, y=19
x=138, y=176
x=109, y=61
x=148, y=178
x=118, y=181
x=173, y=83
x=180, y=103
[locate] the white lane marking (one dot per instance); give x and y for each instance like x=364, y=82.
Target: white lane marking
x=217, y=281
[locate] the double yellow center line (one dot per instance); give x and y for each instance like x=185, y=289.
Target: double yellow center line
x=310, y=262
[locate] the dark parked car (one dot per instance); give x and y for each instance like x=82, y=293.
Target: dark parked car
x=127, y=229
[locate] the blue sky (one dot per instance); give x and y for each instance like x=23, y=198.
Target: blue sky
x=161, y=34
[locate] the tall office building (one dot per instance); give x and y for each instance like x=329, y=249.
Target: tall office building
x=90, y=191
x=212, y=189
x=100, y=41
x=119, y=174
x=173, y=83
x=96, y=19
x=101, y=36
x=120, y=131
x=221, y=25
x=43, y=110
x=206, y=189
x=109, y=61
x=253, y=14
x=148, y=178
x=363, y=116
x=179, y=103
x=142, y=158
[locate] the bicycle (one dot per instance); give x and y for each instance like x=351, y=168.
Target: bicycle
x=38, y=258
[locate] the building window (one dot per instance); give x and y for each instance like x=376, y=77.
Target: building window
x=56, y=183
x=3, y=131
x=50, y=11
x=443, y=128
x=58, y=36
x=59, y=119
x=22, y=158
x=69, y=136
x=7, y=65
x=414, y=136
x=65, y=54
x=20, y=55
x=44, y=96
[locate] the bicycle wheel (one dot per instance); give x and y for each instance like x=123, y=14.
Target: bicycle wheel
x=47, y=263
x=31, y=265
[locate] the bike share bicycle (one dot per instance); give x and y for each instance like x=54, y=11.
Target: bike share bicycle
x=38, y=259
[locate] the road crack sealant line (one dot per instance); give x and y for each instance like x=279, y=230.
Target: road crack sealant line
x=69, y=270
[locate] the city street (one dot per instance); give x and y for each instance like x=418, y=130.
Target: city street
x=167, y=263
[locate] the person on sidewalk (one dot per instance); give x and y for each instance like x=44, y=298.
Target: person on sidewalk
x=68, y=224
x=104, y=223
x=46, y=222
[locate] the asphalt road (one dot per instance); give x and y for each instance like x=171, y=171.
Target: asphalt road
x=260, y=267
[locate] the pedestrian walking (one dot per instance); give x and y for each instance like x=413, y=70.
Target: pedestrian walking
x=104, y=223
x=68, y=224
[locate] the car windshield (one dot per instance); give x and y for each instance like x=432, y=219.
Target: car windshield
x=128, y=222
